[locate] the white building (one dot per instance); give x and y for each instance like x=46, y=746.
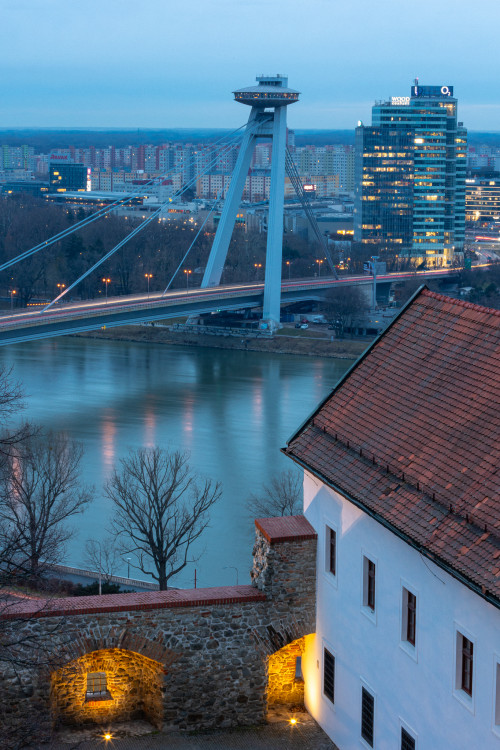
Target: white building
x=400, y=484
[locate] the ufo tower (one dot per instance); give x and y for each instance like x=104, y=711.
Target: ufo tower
x=268, y=101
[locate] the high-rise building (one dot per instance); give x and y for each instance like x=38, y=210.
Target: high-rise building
x=64, y=175
x=410, y=176
x=482, y=199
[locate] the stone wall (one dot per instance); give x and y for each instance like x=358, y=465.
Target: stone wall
x=211, y=645
x=283, y=687
x=133, y=683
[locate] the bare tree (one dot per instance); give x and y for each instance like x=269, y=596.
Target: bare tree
x=282, y=496
x=160, y=509
x=102, y=557
x=342, y=305
x=39, y=493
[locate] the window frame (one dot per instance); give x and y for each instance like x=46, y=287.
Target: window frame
x=463, y=696
x=366, y=689
x=368, y=589
x=101, y=678
x=411, y=734
x=495, y=719
x=331, y=577
x=327, y=650
x=408, y=647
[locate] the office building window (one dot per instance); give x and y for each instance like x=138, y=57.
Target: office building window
x=407, y=741
x=331, y=555
x=369, y=583
x=367, y=716
x=329, y=675
x=409, y=618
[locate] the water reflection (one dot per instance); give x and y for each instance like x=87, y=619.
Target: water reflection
x=232, y=410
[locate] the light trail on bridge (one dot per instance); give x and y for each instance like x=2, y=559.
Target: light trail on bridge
x=91, y=314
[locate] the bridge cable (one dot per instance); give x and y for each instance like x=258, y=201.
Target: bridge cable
x=293, y=174
x=223, y=151
x=107, y=209
x=193, y=242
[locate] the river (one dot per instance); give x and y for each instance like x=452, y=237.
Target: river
x=232, y=410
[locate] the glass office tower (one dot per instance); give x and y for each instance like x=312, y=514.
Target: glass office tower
x=410, y=177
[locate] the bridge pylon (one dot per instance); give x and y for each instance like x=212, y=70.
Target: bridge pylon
x=268, y=101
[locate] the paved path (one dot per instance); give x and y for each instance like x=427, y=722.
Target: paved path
x=277, y=735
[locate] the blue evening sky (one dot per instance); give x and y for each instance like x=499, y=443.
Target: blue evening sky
x=159, y=63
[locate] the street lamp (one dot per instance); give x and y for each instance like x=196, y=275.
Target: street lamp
x=148, y=276
x=106, y=281
x=233, y=567
x=128, y=567
x=187, y=271
x=12, y=293
x=373, y=264
x=257, y=266
x=288, y=263
x=319, y=262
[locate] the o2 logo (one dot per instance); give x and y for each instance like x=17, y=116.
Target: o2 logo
x=445, y=90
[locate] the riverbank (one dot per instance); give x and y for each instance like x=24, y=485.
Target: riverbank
x=288, y=341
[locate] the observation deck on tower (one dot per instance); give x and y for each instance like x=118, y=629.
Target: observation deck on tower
x=272, y=91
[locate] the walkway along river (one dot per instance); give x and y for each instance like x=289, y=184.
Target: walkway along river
x=233, y=410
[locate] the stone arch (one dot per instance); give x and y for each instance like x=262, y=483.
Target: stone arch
x=279, y=633
x=97, y=638
x=131, y=688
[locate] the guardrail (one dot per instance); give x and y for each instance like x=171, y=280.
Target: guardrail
x=94, y=575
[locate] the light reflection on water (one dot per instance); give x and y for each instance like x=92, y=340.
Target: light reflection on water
x=232, y=410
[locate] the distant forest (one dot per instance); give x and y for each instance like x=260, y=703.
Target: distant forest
x=44, y=140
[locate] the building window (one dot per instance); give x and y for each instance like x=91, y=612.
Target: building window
x=369, y=583
x=367, y=716
x=97, y=686
x=409, y=619
x=465, y=664
x=329, y=675
x=497, y=694
x=407, y=741
x=331, y=551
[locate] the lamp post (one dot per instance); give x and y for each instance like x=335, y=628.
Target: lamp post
x=373, y=264
x=60, y=287
x=128, y=567
x=257, y=266
x=12, y=293
x=187, y=271
x=288, y=263
x=106, y=281
x=319, y=262
x=148, y=276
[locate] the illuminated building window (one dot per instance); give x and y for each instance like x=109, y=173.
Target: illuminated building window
x=97, y=688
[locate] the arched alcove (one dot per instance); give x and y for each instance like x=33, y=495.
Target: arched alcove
x=108, y=685
x=285, y=685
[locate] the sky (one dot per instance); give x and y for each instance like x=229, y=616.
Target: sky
x=159, y=63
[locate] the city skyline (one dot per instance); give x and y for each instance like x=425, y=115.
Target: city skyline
x=122, y=65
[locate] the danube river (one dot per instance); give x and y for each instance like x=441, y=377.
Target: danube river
x=231, y=410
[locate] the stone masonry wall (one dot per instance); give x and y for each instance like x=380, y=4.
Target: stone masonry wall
x=211, y=646
x=133, y=681
x=283, y=687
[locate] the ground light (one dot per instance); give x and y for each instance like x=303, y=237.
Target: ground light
x=293, y=721
x=107, y=736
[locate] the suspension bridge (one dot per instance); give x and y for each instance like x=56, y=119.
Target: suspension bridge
x=268, y=102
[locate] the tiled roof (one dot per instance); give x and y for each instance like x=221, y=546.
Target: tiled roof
x=285, y=529
x=87, y=605
x=412, y=435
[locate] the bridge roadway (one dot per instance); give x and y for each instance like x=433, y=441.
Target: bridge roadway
x=76, y=317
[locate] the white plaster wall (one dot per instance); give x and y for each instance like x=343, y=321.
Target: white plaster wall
x=415, y=689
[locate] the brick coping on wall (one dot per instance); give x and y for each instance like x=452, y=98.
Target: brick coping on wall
x=87, y=605
x=286, y=529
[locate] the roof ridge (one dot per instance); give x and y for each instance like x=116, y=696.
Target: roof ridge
x=460, y=302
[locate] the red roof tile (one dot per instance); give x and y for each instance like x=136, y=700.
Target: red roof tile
x=286, y=529
x=87, y=605
x=412, y=433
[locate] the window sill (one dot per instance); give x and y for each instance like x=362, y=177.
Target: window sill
x=370, y=613
x=466, y=700
x=105, y=697
x=407, y=647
